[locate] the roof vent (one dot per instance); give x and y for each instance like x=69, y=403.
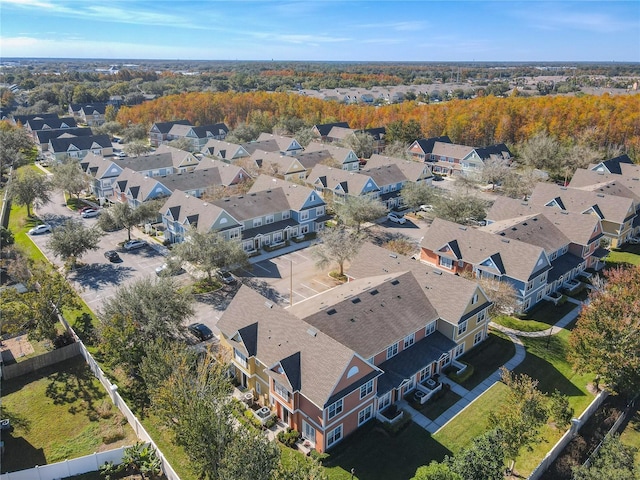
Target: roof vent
x=525, y=224
x=437, y=272
x=333, y=311
x=513, y=229
x=564, y=213
x=393, y=255
x=374, y=292
x=312, y=332
x=356, y=300
x=534, y=219
x=600, y=195
x=505, y=240
x=502, y=234
x=268, y=304
x=462, y=228
x=395, y=282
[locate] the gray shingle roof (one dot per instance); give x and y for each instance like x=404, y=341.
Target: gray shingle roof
x=279, y=335
x=535, y=229
x=61, y=145
x=385, y=175
x=255, y=204
x=372, y=260
x=185, y=207
x=296, y=194
x=520, y=259
x=353, y=183
x=164, y=127
x=152, y=161
x=414, y=171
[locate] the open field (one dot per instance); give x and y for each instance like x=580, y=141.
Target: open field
x=59, y=412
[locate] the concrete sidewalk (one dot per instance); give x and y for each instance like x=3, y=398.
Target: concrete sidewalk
x=468, y=397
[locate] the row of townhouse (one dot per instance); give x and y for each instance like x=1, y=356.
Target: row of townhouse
x=165, y=132
x=448, y=158
x=91, y=114
x=272, y=212
x=332, y=363
x=539, y=245
x=173, y=168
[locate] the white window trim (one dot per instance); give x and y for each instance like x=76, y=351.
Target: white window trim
x=393, y=349
x=367, y=414
x=338, y=408
x=367, y=388
x=331, y=436
x=409, y=340
x=462, y=328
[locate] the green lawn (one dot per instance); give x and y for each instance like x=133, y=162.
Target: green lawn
x=631, y=435
x=628, y=254
x=547, y=364
x=376, y=455
x=487, y=357
x=541, y=317
x=175, y=454
x=59, y=412
x=19, y=224
x=432, y=409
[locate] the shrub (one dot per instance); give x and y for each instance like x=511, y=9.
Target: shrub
x=317, y=456
x=289, y=437
x=271, y=421
x=463, y=376
x=395, y=428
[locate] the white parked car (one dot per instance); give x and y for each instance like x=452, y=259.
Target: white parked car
x=426, y=208
x=90, y=213
x=37, y=230
x=134, y=244
x=396, y=218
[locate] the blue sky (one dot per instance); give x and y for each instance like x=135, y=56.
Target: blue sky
x=331, y=30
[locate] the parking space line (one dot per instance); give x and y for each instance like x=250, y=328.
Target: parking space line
x=307, y=286
x=300, y=295
x=248, y=272
x=259, y=266
x=321, y=283
x=297, y=253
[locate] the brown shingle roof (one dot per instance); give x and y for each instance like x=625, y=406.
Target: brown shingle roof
x=355, y=182
x=280, y=335
x=369, y=314
x=519, y=260
x=255, y=204
x=414, y=171
x=296, y=194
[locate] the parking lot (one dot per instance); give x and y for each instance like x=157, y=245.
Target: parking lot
x=290, y=277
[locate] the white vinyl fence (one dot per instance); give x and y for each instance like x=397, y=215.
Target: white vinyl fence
x=88, y=463
x=576, y=424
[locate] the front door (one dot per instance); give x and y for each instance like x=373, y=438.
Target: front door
x=285, y=416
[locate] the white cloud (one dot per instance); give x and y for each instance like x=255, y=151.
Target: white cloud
x=558, y=17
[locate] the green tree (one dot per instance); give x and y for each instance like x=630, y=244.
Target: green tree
x=521, y=415
x=298, y=467
x=123, y=215
x=337, y=245
x=407, y=133
x=195, y=404
x=360, y=142
x=209, y=251
x=72, y=240
x=243, y=133
x=16, y=147
x=520, y=184
x=140, y=313
x=47, y=293
x=483, y=459
x=136, y=148
x=614, y=461
x=605, y=339
x=415, y=194
x=354, y=211
x=305, y=136
x=29, y=187
x=68, y=176
x=396, y=149
x=134, y=133
x=182, y=143
x=249, y=456
x=560, y=409
x=461, y=207
x=541, y=151
x=436, y=471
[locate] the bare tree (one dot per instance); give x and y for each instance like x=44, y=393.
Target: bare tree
x=337, y=245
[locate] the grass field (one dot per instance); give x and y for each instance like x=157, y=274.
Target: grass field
x=487, y=357
x=59, y=412
x=628, y=254
x=541, y=317
x=547, y=362
x=630, y=435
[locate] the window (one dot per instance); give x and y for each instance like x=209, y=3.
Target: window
x=529, y=286
x=477, y=338
x=446, y=262
x=257, y=222
x=539, y=296
x=334, y=435
x=319, y=211
x=392, y=351
x=280, y=390
x=304, y=229
x=481, y=317
x=429, y=329
x=258, y=387
x=409, y=339
x=365, y=415
x=384, y=401
x=240, y=358
x=234, y=234
x=304, y=215
x=462, y=328
x=425, y=373
x=459, y=350
x=268, y=219
x=474, y=300
x=366, y=389
x=286, y=215
x=334, y=409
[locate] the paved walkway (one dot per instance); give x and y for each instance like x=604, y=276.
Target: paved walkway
x=469, y=396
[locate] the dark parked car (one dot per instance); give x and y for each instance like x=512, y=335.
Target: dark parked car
x=227, y=277
x=200, y=331
x=112, y=256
